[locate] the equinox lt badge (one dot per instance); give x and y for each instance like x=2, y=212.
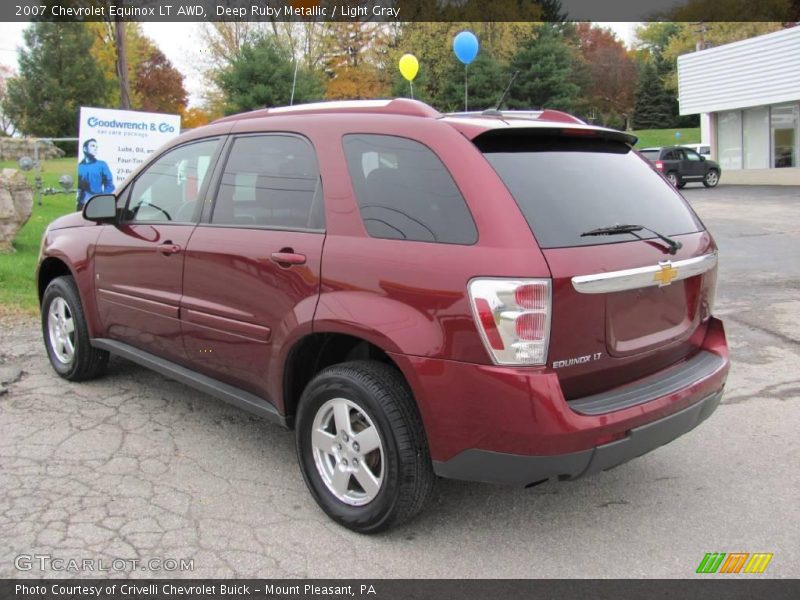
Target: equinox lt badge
x=578, y=360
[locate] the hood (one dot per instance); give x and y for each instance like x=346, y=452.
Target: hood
x=71, y=220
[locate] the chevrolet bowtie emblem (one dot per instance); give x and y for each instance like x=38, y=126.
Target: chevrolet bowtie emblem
x=666, y=275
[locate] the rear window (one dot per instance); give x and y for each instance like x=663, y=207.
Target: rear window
x=565, y=187
x=650, y=154
x=404, y=191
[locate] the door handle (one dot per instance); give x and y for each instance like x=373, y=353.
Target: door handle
x=286, y=258
x=168, y=248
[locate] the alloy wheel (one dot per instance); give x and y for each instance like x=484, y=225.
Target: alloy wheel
x=348, y=452
x=61, y=330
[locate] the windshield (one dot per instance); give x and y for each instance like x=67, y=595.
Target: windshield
x=565, y=187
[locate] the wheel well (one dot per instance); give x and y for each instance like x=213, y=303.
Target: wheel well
x=317, y=352
x=49, y=270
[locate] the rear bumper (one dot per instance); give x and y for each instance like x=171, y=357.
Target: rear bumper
x=515, y=469
x=513, y=425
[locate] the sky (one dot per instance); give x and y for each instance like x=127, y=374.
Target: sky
x=180, y=42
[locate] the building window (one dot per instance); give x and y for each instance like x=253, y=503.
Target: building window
x=784, y=127
x=729, y=139
x=755, y=133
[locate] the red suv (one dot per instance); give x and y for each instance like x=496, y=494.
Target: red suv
x=497, y=297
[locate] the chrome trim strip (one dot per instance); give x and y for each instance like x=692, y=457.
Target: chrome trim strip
x=631, y=279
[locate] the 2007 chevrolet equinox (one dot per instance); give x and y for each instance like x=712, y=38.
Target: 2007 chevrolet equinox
x=500, y=297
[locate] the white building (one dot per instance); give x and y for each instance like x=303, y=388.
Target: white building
x=748, y=96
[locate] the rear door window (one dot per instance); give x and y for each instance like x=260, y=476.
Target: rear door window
x=270, y=181
x=565, y=187
x=405, y=192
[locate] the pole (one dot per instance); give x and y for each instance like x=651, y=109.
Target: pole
x=37, y=178
x=122, y=65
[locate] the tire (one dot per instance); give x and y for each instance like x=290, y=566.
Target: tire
x=673, y=178
x=711, y=179
x=681, y=185
x=66, y=336
x=371, y=402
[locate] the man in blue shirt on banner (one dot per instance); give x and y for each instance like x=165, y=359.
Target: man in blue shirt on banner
x=94, y=176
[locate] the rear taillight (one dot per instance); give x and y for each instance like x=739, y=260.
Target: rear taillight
x=513, y=317
x=659, y=165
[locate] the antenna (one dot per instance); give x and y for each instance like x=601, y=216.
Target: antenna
x=294, y=81
x=496, y=109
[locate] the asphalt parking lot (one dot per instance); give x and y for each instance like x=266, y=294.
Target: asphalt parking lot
x=134, y=466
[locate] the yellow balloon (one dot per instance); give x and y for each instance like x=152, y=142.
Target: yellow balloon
x=409, y=66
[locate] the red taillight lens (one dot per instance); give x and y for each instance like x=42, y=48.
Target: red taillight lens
x=659, y=165
x=530, y=326
x=580, y=132
x=513, y=317
x=532, y=297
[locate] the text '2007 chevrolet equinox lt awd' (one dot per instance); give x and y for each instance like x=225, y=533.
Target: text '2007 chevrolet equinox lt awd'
x=496, y=297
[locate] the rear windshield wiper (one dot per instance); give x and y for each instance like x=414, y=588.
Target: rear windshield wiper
x=674, y=245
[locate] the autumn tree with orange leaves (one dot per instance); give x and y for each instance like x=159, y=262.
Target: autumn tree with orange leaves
x=611, y=74
x=159, y=85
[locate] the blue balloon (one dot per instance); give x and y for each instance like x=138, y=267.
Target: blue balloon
x=465, y=45
x=678, y=134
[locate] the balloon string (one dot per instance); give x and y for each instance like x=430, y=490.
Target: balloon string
x=411, y=85
x=466, y=103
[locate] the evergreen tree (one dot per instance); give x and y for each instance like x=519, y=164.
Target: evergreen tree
x=653, y=108
x=262, y=76
x=57, y=75
x=486, y=81
x=547, y=69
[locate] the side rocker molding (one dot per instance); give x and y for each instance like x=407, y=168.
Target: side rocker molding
x=228, y=393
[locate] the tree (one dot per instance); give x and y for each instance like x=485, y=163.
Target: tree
x=352, y=55
x=546, y=73
x=654, y=37
x=159, y=85
x=486, y=81
x=611, y=74
x=104, y=49
x=57, y=75
x=653, y=108
x=353, y=83
x=262, y=76
x=6, y=126
x=194, y=117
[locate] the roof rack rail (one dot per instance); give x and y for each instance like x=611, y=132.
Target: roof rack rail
x=547, y=114
x=398, y=106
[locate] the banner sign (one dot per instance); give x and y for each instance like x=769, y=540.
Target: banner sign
x=113, y=143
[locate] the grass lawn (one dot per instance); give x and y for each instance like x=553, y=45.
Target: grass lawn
x=666, y=137
x=17, y=285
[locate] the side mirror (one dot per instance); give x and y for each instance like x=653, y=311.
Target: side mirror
x=101, y=209
x=703, y=158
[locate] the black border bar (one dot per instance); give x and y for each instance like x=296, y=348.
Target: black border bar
x=786, y=11
x=729, y=587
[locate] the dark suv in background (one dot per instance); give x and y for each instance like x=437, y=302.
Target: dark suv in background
x=495, y=297
x=683, y=165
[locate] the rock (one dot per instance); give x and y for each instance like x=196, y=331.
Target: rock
x=16, y=204
x=15, y=148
